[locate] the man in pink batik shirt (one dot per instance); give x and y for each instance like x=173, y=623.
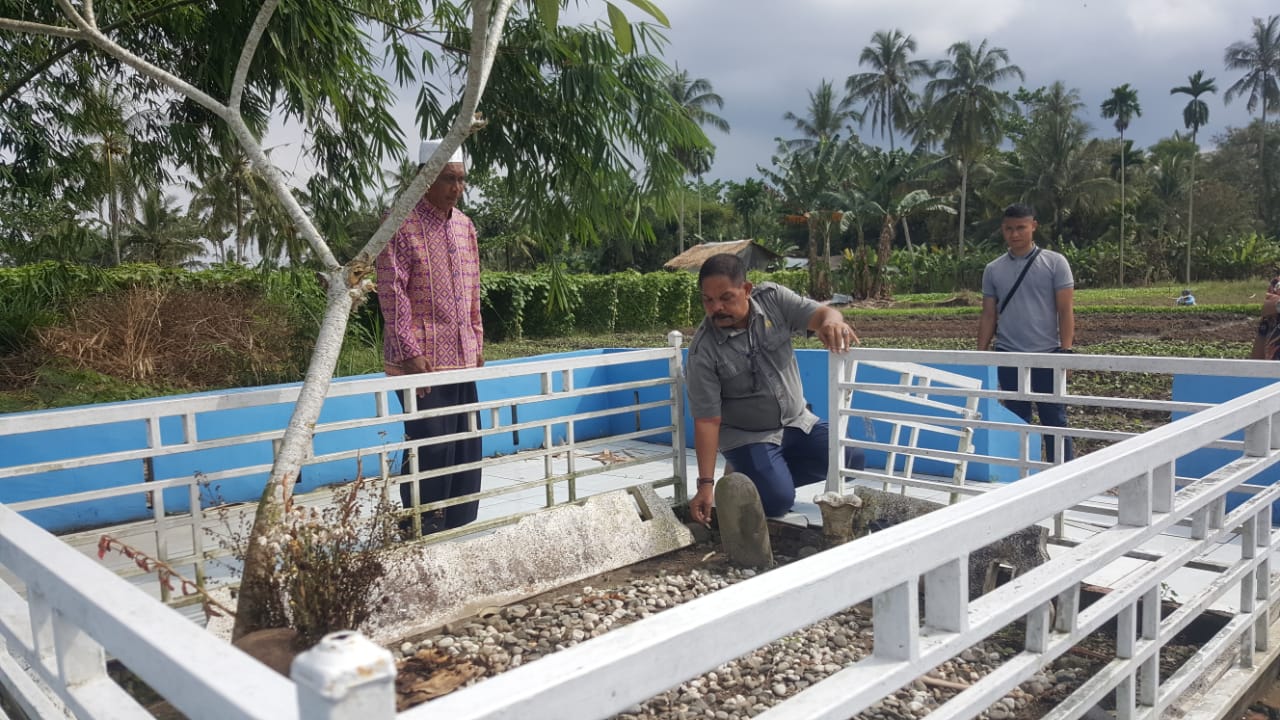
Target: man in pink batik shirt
x=429, y=292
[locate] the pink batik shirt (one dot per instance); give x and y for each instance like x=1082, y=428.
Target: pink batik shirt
x=429, y=291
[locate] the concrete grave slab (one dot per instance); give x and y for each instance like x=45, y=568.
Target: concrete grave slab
x=430, y=585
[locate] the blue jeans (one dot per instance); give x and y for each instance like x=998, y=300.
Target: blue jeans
x=777, y=470
x=1051, y=414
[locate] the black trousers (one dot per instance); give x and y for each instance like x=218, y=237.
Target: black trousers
x=443, y=455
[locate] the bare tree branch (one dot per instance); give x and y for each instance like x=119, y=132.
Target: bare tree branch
x=79, y=44
x=484, y=42
x=250, y=48
x=235, y=123
x=88, y=13
x=38, y=29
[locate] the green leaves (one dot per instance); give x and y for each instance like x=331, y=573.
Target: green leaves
x=621, y=30
x=548, y=11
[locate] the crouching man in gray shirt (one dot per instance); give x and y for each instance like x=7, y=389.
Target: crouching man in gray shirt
x=744, y=386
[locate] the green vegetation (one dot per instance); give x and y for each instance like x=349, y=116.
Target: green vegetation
x=263, y=322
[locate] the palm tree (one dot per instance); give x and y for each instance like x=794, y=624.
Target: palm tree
x=695, y=97
x=1194, y=116
x=967, y=108
x=884, y=190
x=1259, y=57
x=749, y=199
x=113, y=174
x=806, y=180
x=1055, y=165
x=1123, y=106
x=825, y=118
x=161, y=234
x=886, y=89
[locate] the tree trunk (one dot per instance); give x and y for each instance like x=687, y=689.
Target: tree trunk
x=1122, y=208
x=680, y=222
x=814, y=280
x=964, y=205
x=113, y=205
x=883, y=251
x=257, y=602
x=1262, y=166
x=1191, y=206
x=906, y=234
x=700, y=207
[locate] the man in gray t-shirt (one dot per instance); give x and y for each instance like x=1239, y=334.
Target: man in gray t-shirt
x=744, y=386
x=1035, y=314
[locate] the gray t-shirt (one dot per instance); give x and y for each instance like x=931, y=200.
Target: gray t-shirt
x=749, y=378
x=1029, y=323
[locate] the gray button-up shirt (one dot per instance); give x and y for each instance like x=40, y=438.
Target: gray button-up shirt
x=749, y=377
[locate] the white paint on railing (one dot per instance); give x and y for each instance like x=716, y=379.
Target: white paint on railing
x=607, y=674
x=345, y=677
x=74, y=609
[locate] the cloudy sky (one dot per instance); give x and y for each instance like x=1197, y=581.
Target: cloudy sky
x=764, y=57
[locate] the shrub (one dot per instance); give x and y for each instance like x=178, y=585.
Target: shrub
x=675, y=292
x=637, y=304
x=541, y=318
x=599, y=309
x=502, y=303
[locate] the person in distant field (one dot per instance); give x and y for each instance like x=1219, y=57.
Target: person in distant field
x=429, y=292
x=744, y=387
x=1035, y=315
x=1266, y=344
x=1186, y=298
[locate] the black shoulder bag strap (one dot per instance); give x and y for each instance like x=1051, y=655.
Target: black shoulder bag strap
x=1017, y=283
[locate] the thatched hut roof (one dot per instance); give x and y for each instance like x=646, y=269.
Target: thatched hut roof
x=692, y=259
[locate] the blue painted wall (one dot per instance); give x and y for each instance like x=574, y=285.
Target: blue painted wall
x=1218, y=389
x=131, y=435
x=122, y=436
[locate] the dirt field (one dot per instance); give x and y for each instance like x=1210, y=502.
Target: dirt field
x=1091, y=328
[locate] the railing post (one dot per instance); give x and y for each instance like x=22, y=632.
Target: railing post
x=1136, y=501
x=80, y=657
x=345, y=677
x=895, y=617
x=946, y=596
x=1257, y=438
x=679, y=463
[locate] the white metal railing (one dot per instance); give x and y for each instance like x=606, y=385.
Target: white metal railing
x=928, y=557
x=74, y=610
x=526, y=391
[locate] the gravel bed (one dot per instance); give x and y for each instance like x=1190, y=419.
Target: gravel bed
x=745, y=687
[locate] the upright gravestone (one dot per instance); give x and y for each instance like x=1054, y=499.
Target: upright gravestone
x=743, y=528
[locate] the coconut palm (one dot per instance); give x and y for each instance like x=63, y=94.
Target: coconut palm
x=968, y=110
x=112, y=174
x=1054, y=165
x=886, y=89
x=1194, y=116
x=161, y=233
x=226, y=197
x=695, y=98
x=1123, y=106
x=1259, y=57
x=824, y=119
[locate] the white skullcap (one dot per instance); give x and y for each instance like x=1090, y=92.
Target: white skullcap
x=428, y=149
